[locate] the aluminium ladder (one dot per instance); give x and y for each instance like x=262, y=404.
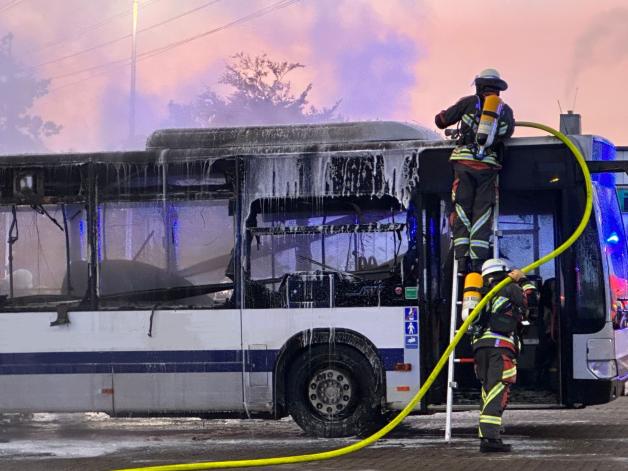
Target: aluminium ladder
x=456, y=305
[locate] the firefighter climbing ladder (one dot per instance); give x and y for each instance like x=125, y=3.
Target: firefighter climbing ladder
x=456, y=305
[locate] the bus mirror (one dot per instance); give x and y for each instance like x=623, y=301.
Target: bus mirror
x=608, y=166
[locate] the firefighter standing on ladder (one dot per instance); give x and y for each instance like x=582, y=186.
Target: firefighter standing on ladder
x=475, y=169
x=496, y=345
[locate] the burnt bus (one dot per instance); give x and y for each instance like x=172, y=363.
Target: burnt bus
x=290, y=270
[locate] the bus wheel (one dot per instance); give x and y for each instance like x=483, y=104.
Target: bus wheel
x=334, y=392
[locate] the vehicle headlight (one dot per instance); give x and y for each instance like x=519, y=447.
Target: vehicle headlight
x=603, y=369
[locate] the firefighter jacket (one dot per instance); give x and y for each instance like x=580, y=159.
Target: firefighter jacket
x=500, y=322
x=467, y=112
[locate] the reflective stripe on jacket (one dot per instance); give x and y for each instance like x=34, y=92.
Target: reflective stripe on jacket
x=467, y=111
x=468, y=152
x=513, y=299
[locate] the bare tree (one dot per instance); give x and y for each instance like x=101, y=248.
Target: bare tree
x=262, y=96
x=20, y=131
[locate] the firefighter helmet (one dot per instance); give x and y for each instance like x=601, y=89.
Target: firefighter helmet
x=490, y=78
x=494, y=265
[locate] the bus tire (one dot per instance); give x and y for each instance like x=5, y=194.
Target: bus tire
x=332, y=391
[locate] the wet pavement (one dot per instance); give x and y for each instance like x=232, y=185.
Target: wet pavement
x=595, y=438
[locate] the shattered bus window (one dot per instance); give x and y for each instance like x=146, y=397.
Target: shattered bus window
x=358, y=244
x=157, y=246
x=43, y=247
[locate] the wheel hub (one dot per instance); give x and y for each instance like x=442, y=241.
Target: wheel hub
x=330, y=391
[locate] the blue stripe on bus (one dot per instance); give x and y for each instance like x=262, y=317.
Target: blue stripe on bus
x=187, y=361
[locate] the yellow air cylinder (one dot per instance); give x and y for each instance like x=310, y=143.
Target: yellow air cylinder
x=488, y=121
x=471, y=296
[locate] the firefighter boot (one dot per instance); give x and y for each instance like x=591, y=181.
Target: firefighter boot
x=492, y=445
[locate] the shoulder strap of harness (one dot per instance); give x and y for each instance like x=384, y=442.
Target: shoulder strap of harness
x=470, y=130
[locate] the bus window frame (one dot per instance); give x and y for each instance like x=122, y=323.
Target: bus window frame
x=336, y=202
x=44, y=193
x=98, y=172
x=86, y=188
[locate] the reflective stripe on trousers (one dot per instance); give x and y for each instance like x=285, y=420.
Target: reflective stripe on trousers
x=496, y=370
x=473, y=197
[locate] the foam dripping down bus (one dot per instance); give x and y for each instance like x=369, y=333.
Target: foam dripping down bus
x=290, y=270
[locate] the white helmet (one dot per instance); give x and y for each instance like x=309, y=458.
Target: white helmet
x=490, y=78
x=489, y=74
x=493, y=265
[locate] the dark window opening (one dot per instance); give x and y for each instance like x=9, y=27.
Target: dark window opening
x=328, y=252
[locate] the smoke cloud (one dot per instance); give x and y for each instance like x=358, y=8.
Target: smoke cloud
x=373, y=62
x=359, y=51
x=602, y=43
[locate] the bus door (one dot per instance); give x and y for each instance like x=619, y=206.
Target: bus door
x=528, y=233
x=528, y=227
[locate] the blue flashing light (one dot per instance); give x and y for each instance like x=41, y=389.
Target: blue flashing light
x=175, y=227
x=603, y=150
x=412, y=224
x=613, y=238
x=605, y=179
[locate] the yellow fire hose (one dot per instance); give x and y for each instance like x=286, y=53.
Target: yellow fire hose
x=325, y=455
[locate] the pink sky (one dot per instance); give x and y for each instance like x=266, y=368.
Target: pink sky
x=386, y=59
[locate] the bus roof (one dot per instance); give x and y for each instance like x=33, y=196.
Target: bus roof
x=216, y=143
x=299, y=134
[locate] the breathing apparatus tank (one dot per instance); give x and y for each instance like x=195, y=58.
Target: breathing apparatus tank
x=488, y=123
x=471, y=295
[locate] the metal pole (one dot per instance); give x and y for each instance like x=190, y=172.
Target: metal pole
x=12, y=240
x=535, y=240
x=68, y=258
x=93, y=236
x=450, y=368
x=133, y=72
x=496, y=221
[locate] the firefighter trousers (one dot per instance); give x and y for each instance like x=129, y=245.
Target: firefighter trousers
x=473, y=196
x=497, y=371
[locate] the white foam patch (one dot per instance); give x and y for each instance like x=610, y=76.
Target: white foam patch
x=66, y=448
x=29, y=449
x=69, y=417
